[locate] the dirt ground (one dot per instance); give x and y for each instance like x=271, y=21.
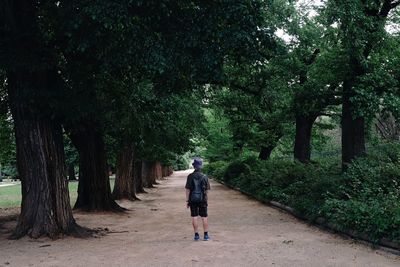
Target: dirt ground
x=157, y=232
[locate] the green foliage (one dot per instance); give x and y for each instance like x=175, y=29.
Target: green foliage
x=303, y=187
x=181, y=162
x=147, y=71
x=218, y=142
x=368, y=199
x=7, y=146
x=234, y=169
x=71, y=154
x=365, y=199
x=216, y=169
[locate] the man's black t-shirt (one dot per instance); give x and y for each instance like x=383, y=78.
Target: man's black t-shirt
x=190, y=184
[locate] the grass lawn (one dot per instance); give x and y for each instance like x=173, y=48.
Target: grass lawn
x=10, y=196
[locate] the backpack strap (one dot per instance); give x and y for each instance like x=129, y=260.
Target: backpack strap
x=203, y=180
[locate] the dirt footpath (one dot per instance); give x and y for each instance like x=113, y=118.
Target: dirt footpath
x=157, y=232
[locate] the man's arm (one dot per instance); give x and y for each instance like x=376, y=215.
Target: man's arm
x=187, y=187
x=208, y=187
x=187, y=197
x=187, y=194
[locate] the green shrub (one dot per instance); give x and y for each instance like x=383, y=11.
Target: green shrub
x=366, y=198
x=369, y=197
x=216, y=169
x=10, y=171
x=181, y=163
x=235, y=169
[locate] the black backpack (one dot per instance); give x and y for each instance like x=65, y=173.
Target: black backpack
x=197, y=195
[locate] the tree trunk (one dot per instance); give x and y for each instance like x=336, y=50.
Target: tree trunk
x=94, y=193
x=45, y=207
x=387, y=127
x=148, y=174
x=265, y=152
x=71, y=172
x=353, y=129
x=154, y=172
x=138, y=177
x=124, y=183
x=158, y=169
x=302, y=147
x=144, y=175
x=164, y=170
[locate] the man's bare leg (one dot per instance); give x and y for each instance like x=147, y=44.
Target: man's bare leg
x=195, y=224
x=205, y=223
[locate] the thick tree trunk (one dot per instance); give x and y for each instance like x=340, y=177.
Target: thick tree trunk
x=265, y=152
x=167, y=171
x=164, y=170
x=71, y=172
x=148, y=174
x=353, y=128
x=144, y=174
x=94, y=193
x=138, y=182
x=302, y=147
x=124, y=179
x=45, y=208
x=158, y=170
x=154, y=172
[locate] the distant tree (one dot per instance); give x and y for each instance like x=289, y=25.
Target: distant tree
x=362, y=31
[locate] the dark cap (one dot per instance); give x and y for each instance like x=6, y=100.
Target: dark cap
x=197, y=162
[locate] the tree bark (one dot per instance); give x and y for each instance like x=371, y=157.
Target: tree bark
x=148, y=174
x=265, y=152
x=304, y=123
x=154, y=172
x=71, y=172
x=353, y=128
x=302, y=147
x=45, y=207
x=387, y=127
x=124, y=179
x=94, y=193
x=158, y=169
x=138, y=177
x=165, y=170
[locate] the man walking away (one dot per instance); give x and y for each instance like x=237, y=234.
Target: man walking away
x=197, y=186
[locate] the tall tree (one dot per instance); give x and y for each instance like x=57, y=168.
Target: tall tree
x=362, y=25
x=32, y=79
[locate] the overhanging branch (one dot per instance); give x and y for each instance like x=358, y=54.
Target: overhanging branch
x=395, y=4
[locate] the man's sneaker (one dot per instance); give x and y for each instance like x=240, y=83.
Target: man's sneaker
x=206, y=237
x=196, y=237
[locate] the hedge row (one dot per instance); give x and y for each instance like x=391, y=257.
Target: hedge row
x=364, y=199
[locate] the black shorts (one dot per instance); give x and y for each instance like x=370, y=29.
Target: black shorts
x=198, y=209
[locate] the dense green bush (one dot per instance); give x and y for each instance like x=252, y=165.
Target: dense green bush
x=181, y=162
x=236, y=169
x=10, y=171
x=366, y=198
x=215, y=169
